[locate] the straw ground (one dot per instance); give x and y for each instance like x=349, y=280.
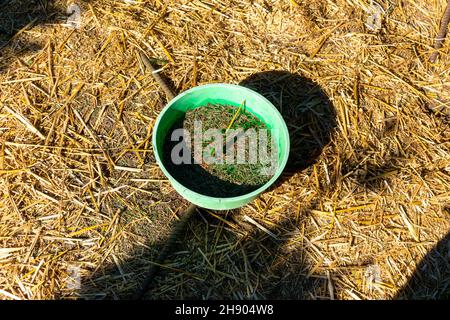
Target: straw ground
x=84, y=209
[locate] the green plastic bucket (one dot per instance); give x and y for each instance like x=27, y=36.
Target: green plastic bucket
x=228, y=94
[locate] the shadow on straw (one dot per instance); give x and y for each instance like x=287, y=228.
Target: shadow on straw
x=307, y=111
x=220, y=255
x=431, y=279
x=17, y=16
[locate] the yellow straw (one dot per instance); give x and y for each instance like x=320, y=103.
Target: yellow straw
x=235, y=115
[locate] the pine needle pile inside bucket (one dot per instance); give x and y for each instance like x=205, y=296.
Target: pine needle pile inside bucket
x=215, y=169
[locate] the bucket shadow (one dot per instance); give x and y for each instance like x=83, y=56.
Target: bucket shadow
x=307, y=111
x=273, y=269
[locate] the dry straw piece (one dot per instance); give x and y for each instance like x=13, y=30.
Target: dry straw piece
x=84, y=209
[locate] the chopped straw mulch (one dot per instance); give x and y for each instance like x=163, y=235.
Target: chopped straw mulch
x=84, y=209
